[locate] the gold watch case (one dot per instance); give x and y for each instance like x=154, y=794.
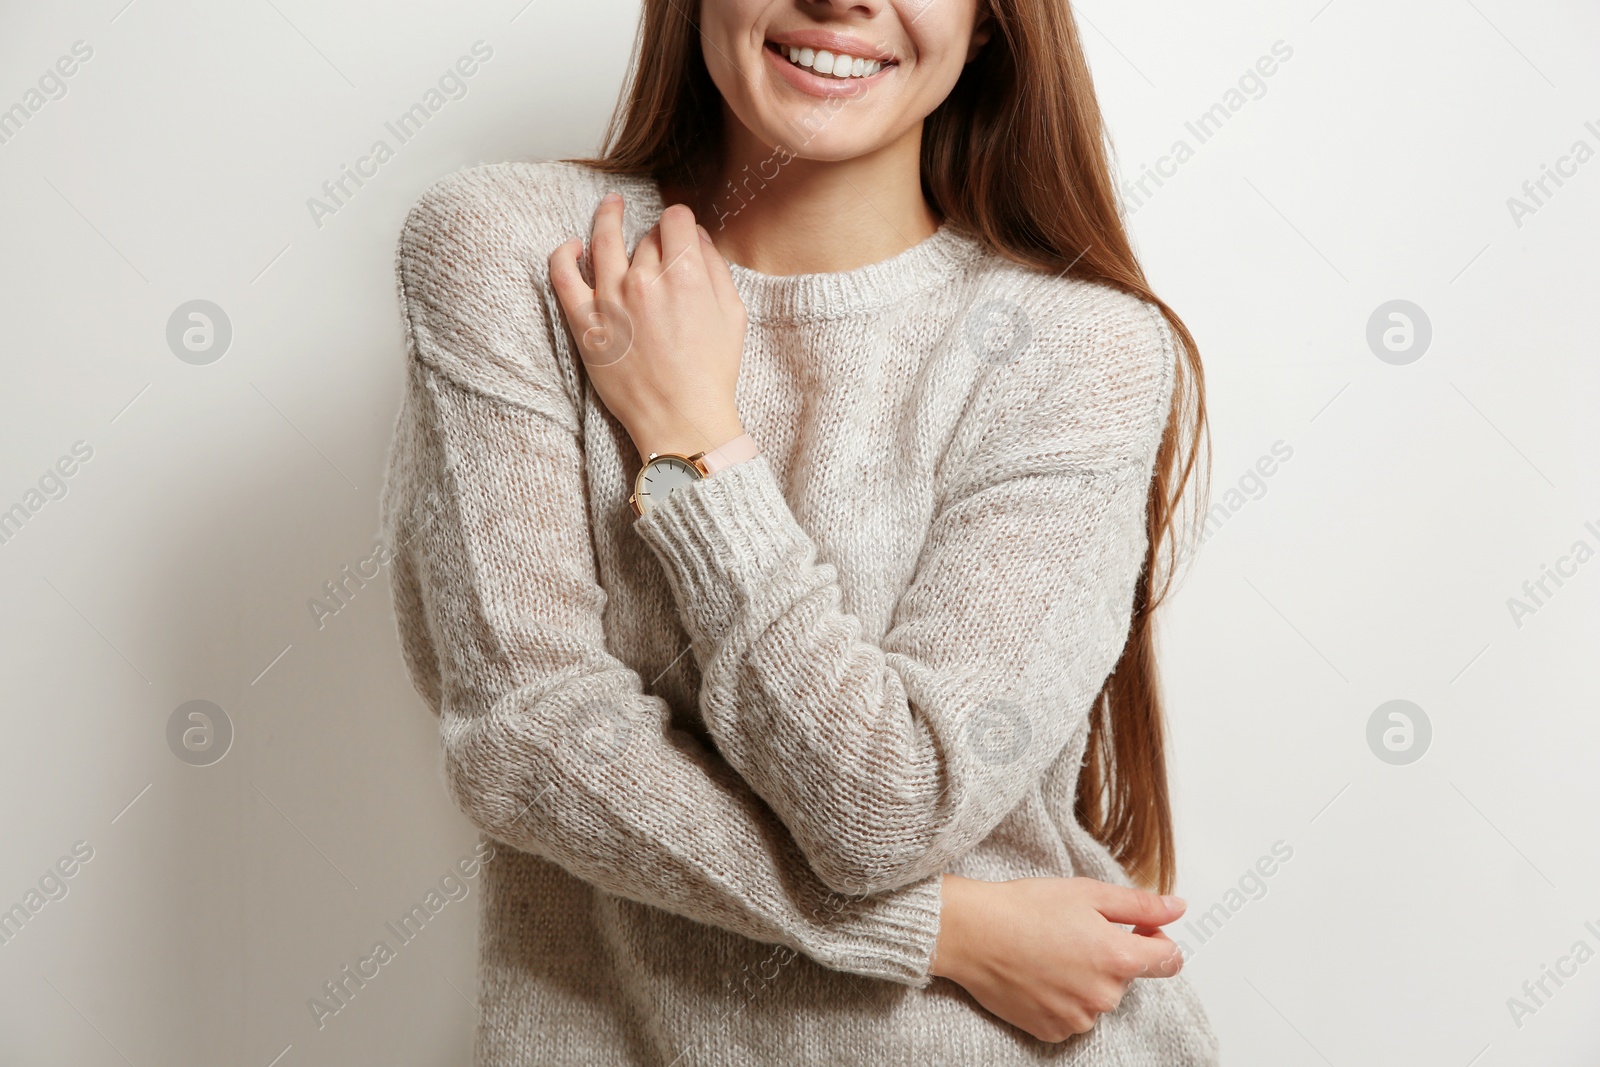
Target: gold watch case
x=671, y=467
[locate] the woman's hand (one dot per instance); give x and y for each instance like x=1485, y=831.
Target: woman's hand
x=661, y=337
x=1046, y=954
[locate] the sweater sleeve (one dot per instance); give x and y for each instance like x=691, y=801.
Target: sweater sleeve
x=890, y=760
x=550, y=743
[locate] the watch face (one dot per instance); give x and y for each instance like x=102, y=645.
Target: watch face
x=660, y=477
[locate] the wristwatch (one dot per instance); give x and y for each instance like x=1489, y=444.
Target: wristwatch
x=665, y=471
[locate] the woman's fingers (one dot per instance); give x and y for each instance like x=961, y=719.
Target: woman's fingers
x=1136, y=907
x=647, y=254
x=676, y=239
x=1151, y=931
x=1150, y=956
x=608, y=254
x=565, y=278
x=717, y=267
x=680, y=240
x=603, y=335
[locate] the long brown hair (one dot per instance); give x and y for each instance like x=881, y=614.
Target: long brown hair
x=1017, y=156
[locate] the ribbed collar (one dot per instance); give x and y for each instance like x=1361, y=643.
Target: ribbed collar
x=797, y=298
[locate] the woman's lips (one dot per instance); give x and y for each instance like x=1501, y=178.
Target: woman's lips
x=824, y=85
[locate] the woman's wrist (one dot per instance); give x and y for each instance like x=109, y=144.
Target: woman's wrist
x=950, y=950
x=686, y=441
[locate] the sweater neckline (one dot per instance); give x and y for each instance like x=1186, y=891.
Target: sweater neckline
x=797, y=298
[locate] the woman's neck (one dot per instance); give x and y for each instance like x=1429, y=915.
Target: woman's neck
x=777, y=214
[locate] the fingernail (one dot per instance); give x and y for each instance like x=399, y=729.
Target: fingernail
x=611, y=198
x=1174, y=903
x=704, y=235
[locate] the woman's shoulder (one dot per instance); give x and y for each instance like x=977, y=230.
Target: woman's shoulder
x=526, y=203
x=471, y=264
x=1073, y=370
x=563, y=184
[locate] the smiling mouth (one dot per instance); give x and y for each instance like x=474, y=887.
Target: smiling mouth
x=829, y=64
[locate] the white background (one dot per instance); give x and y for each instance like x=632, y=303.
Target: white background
x=1376, y=565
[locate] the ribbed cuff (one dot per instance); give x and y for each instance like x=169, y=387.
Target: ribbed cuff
x=729, y=543
x=898, y=942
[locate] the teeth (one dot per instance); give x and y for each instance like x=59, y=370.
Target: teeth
x=840, y=66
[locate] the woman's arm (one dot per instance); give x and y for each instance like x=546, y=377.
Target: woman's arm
x=551, y=744
x=889, y=760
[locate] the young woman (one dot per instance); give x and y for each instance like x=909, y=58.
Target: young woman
x=781, y=561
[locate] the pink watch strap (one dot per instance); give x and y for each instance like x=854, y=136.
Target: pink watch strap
x=737, y=450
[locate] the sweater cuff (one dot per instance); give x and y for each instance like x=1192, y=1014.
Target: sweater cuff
x=729, y=544
x=898, y=944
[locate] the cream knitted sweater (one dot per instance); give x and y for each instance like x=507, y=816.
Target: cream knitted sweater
x=734, y=743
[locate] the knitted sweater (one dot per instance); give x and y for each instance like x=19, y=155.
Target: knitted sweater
x=733, y=744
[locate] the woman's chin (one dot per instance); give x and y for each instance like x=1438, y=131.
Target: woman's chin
x=798, y=141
